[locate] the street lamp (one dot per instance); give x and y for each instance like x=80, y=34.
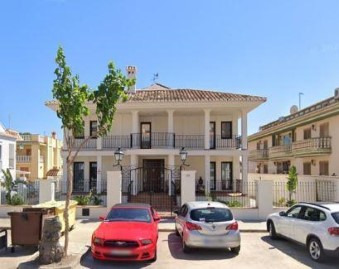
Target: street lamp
x=183, y=157
x=118, y=155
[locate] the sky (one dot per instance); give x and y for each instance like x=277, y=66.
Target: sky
x=274, y=49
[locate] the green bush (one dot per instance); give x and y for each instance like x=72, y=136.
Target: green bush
x=82, y=199
x=17, y=200
x=234, y=203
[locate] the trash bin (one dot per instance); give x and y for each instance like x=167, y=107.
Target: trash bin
x=26, y=227
x=57, y=208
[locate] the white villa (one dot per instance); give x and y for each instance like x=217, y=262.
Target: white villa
x=153, y=126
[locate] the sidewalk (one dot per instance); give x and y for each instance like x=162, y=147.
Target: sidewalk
x=79, y=243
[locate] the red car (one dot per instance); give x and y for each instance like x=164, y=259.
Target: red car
x=129, y=232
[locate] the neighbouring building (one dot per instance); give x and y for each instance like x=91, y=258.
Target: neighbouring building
x=151, y=128
x=8, y=140
x=38, y=156
x=307, y=139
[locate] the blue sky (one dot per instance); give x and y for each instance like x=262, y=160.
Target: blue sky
x=273, y=49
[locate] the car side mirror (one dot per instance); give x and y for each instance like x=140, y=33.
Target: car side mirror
x=101, y=218
x=156, y=218
x=282, y=214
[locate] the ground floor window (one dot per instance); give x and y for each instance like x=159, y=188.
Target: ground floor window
x=307, y=168
x=212, y=176
x=78, y=176
x=226, y=175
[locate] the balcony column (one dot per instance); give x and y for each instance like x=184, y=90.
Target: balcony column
x=135, y=121
x=134, y=164
x=171, y=164
x=207, y=174
x=99, y=143
x=244, y=130
x=207, y=128
x=99, y=174
x=170, y=128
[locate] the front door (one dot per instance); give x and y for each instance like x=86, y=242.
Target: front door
x=145, y=130
x=154, y=176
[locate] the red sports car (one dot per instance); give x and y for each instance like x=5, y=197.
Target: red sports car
x=129, y=232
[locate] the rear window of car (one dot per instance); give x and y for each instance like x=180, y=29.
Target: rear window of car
x=335, y=215
x=211, y=214
x=129, y=214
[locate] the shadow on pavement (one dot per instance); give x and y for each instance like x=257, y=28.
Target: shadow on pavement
x=299, y=253
x=174, y=245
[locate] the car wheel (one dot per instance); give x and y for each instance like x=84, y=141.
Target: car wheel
x=185, y=248
x=315, y=250
x=271, y=230
x=235, y=250
x=155, y=256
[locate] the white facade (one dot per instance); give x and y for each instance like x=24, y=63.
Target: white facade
x=7, y=151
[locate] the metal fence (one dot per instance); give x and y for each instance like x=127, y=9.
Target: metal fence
x=313, y=191
x=246, y=198
x=22, y=193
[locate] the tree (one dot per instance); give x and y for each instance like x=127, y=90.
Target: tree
x=292, y=181
x=8, y=184
x=73, y=100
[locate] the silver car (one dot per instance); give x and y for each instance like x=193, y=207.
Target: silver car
x=315, y=225
x=207, y=225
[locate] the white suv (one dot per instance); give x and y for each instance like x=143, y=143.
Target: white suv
x=315, y=225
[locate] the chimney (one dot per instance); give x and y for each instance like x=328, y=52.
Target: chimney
x=131, y=74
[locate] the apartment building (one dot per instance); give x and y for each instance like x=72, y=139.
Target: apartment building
x=307, y=139
x=37, y=155
x=154, y=127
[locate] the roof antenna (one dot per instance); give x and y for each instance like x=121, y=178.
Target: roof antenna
x=155, y=76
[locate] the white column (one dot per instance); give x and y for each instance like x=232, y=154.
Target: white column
x=187, y=186
x=113, y=188
x=170, y=128
x=46, y=190
x=265, y=198
x=236, y=171
x=244, y=129
x=207, y=128
x=135, y=121
x=99, y=143
x=244, y=158
x=207, y=174
x=134, y=164
x=99, y=174
x=170, y=165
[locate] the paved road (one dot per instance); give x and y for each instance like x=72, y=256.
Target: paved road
x=257, y=251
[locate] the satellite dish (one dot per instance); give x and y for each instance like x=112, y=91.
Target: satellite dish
x=293, y=109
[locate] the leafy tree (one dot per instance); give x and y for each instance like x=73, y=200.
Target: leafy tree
x=8, y=184
x=73, y=99
x=292, y=182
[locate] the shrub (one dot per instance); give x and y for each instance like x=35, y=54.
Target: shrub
x=82, y=199
x=17, y=200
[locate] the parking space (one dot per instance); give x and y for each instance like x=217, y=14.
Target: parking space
x=257, y=251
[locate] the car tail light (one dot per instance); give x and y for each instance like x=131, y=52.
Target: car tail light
x=234, y=226
x=333, y=230
x=192, y=226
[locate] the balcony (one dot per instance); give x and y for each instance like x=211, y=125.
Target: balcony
x=312, y=147
x=23, y=158
x=259, y=155
x=283, y=151
x=159, y=140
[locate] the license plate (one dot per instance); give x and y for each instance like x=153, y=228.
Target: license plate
x=121, y=252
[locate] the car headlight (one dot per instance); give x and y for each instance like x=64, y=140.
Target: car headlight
x=145, y=242
x=98, y=241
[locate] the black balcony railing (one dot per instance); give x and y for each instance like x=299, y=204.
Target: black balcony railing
x=153, y=140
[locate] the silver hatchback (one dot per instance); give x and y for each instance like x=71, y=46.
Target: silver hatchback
x=207, y=225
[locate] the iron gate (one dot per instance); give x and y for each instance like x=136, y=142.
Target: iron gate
x=155, y=185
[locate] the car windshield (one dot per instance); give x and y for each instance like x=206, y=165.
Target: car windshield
x=335, y=215
x=129, y=214
x=211, y=214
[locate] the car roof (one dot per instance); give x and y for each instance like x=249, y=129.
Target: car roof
x=204, y=204
x=132, y=205
x=326, y=205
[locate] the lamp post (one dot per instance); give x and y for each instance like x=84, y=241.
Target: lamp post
x=183, y=157
x=118, y=155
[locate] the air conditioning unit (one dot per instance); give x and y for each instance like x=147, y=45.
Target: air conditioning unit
x=336, y=93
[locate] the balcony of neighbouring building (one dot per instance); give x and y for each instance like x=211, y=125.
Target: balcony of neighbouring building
x=312, y=147
x=258, y=155
x=282, y=151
